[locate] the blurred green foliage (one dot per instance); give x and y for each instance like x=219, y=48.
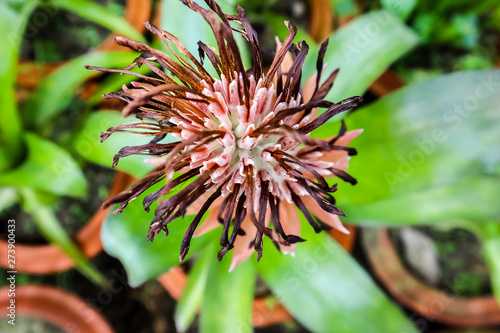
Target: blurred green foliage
x=454, y=35
x=34, y=168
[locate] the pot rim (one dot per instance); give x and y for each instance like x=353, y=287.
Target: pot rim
x=60, y=308
x=429, y=302
x=49, y=258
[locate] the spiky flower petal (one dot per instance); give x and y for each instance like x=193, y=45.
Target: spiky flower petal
x=243, y=138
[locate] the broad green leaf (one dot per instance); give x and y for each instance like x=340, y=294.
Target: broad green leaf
x=489, y=232
x=425, y=136
x=124, y=237
x=469, y=199
x=8, y=197
x=363, y=50
x=88, y=145
x=96, y=13
x=47, y=167
x=15, y=15
x=326, y=290
x=52, y=230
x=187, y=25
x=56, y=91
x=7, y=157
x=14, y=18
x=192, y=296
x=228, y=298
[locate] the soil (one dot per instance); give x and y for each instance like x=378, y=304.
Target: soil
x=464, y=272
x=72, y=213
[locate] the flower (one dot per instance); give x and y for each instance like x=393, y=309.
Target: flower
x=243, y=138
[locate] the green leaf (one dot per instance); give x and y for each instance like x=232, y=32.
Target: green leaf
x=87, y=143
x=56, y=91
x=190, y=27
x=8, y=156
x=124, y=237
x=344, y=7
x=466, y=27
x=468, y=199
x=96, y=13
x=51, y=229
x=426, y=136
x=363, y=50
x=401, y=9
x=49, y=168
x=228, y=298
x=185, y=24
x=14, y=18
x=8, y=197
x=430, y=27
x=489, y=232
x=326, y=290
x=192, y=296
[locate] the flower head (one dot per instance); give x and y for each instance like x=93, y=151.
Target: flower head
x=242, y=138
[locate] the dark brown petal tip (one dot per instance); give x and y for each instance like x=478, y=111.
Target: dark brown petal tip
x=242, y=136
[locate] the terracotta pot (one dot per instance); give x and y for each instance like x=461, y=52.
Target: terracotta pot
x=425, y=300
x=174, y=281
x=29, y=74
x=48, y=259
x=320, y=20
x=60, y=308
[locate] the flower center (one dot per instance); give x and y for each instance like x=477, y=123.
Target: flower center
x=239, y=143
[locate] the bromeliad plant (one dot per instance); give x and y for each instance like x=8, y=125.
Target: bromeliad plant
x=243, y=139
x=226, y=298
x=396, y=189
